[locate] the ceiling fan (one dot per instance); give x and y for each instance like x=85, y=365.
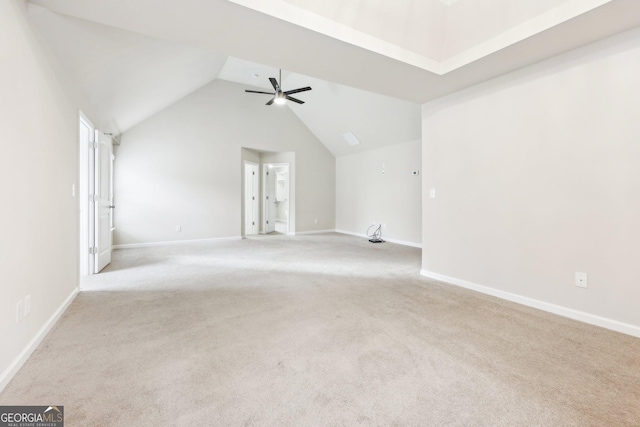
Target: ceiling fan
x=280, y=96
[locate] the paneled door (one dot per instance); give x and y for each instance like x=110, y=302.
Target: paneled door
x=103, y=200
x=251, y=198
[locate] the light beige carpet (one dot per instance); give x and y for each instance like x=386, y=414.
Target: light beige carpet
x=325, y=330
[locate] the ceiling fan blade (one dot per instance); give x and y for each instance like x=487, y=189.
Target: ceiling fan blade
x=274, y=83
x=271, y=102
x=294, y=99
x=257, y=91
x=302, y=89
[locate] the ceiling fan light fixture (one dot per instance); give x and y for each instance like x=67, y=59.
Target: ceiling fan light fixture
x=280, y=99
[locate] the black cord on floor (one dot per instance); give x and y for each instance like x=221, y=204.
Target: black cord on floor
x=376, y=236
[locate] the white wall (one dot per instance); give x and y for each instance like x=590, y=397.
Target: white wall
x=537, y=176
x=183, y=166
x=38, y=166
x=364, y=195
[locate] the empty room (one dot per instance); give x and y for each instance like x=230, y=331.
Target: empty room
x=298, y=213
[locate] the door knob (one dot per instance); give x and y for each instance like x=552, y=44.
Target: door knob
x=111, y=207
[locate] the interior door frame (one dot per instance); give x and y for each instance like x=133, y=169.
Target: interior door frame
x=85, y=183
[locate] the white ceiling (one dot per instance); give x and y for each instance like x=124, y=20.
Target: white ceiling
x=427, y=34
x=134, y=58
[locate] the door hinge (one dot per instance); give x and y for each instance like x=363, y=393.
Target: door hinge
x=93, y=145
x=93, y=250
x=93, y=197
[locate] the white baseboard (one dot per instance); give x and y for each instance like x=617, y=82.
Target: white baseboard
x=350, y=233
x=314, y=232
x=24, y=355
x=581, y=316
x=396, y=241
x=174, y=242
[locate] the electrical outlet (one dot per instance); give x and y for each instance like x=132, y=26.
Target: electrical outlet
x=27, y=305
x=581, y=279
x=19, y=311
x=432, y=193
x=178, y=228
x=384, y=225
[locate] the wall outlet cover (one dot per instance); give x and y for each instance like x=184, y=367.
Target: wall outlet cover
x=581, y=279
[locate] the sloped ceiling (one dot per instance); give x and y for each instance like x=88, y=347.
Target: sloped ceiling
x=331, y=109
x=371, y=62
x=126, y=77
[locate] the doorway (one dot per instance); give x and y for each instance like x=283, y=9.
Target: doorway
x=276, y=198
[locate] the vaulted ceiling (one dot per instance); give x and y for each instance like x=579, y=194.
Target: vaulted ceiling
x=371, y=63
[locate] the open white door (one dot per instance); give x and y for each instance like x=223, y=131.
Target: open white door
x=103, y=200
x=251, y=198
x=270, y=208
x=86, y=187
